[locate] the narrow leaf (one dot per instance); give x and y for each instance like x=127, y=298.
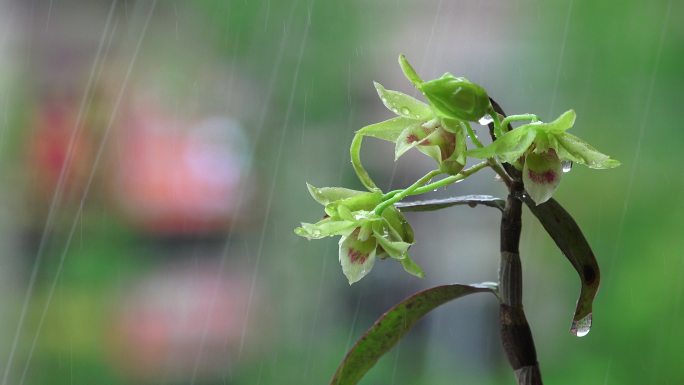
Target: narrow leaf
x=391, y=326
x=438, y=204
x=570, y=240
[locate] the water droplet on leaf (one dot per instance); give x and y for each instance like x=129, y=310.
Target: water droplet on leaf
x=581, y=327
x=405, y=111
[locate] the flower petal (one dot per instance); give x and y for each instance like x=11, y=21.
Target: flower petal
x=560, y=125
x=541, y=175
x=325, y=228
x=509, y=146
x=395, y=249
x=326, y=195
x=357, y=257
x=410, y=137
x=575, y=149
x=402, y=104
x=389, y=129
x=412, y=267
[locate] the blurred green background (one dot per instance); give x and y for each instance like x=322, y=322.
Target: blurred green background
x=154, y=160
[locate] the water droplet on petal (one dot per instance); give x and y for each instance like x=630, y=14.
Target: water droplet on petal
x=581, y=327
x=405, y=111
x=485, y=120
x=567, y=165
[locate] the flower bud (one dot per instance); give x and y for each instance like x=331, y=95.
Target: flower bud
x=456, y=98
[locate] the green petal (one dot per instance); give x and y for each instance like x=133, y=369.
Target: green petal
x=389, y=129
x=325, y=228
x=575, y=149
x=409, y=72
x=412, y=268
x=402, y=104
x=326, y=195
x=510, y=146
x=398, y=225
x=356, y=257
x=395, y=249
x=560, y=125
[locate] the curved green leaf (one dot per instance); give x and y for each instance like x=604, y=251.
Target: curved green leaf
x=391, y=326
x=569, y=238
x=437, y=204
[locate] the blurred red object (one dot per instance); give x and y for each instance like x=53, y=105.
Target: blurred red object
x=180, y=177
x=187, y=320
x=57, y=148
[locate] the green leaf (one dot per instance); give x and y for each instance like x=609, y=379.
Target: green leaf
x=393, y=325
x=438, y=204
x=403, y=105
x=409, y=72
x=326, y=195
x=569, y=238
x=357, y=257
x=389, y=129
x=456, y=98
x=575, y=149
x=510, y=146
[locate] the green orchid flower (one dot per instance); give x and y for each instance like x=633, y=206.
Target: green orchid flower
x=539, y=150
x=365, y=236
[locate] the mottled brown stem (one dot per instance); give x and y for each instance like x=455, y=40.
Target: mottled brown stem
x=516, y=336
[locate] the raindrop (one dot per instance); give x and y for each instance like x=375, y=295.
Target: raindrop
x=567, y=165
x=405, y=111
x=581, y=327
x=485, y=120
x=396, y=111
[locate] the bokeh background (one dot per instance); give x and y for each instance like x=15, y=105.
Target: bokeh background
x=154, y=159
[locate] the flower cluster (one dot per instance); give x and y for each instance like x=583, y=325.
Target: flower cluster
x=366, y=236
x=368, y=223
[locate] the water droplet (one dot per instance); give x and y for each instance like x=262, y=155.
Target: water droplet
x=485, y=120
x=405, y=111
x=396, y=111
x=384, y=99
x=567, y=165
x=581, y=327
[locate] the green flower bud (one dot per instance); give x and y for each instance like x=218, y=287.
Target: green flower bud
x=456, y=98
